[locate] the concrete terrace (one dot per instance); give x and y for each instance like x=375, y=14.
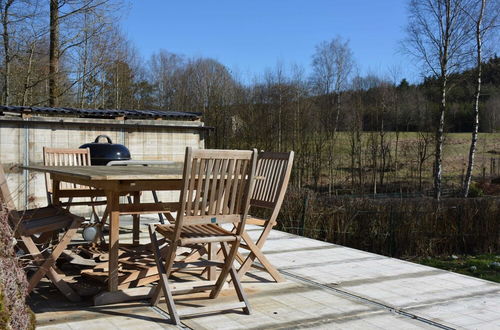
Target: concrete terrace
x=327, y=286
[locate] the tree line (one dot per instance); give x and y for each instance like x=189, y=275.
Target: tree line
x=73, y=53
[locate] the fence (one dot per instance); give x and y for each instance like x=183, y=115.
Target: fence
x=494, y=167
x=396, y=227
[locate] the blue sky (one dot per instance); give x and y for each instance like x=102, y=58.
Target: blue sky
x=253, y=35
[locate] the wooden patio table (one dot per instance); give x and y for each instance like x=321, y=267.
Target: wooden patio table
x=116, y=181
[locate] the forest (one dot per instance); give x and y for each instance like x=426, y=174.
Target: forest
x=354, y=132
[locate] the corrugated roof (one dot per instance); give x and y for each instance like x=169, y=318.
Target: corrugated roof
x=102, y=113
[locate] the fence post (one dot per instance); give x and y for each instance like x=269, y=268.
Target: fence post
x=392, y=238
x=304, y=215
x=460, y=237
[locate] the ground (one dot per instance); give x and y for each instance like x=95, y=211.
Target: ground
x=327, y=286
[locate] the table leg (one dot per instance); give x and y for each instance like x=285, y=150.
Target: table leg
x=56, y=200
x=114, y=232
x=212, y=254
x=136, y=220
x=56, y=192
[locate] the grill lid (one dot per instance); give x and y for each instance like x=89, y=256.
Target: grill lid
x=102, y=153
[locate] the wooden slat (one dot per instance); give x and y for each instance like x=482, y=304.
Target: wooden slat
x=241, y=187
x=201, y=168
x=213, y=187
x=274, y=180
x=220, y=188
x=206, y=186
x=191, y=192
x=234, y=189
x=227, y=188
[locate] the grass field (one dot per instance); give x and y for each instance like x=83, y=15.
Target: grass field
x=406, y=170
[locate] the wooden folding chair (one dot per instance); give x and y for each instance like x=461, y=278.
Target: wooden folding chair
x=275, y=168
x=75, y=157
x=38, y=226
x=71, y=157
x=216, y=189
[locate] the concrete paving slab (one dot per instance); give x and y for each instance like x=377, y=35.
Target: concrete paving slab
x=415, y=289
x=327, y=286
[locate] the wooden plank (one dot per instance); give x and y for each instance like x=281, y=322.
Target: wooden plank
x=166, y=172
x=198, y=188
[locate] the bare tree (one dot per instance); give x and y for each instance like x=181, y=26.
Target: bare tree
x=437, y=34
x=13, y=14
x=54, y=54
x=332, y=64
x=73, y=16
x=164, y=67
x=476, y=14
x=5, y=17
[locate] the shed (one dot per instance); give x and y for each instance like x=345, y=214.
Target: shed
x=149, y=134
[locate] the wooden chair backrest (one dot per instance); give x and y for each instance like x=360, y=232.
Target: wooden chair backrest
x=275, y=167
x=65, y=157
x=216, y=187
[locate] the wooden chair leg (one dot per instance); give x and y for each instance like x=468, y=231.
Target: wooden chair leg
x=240, y=258
x=69, y=203
x=63, y=287
x=228, y=262
x=256, y=253
x=56, y=252
x=237, y=284
x=212, y=254
x=163, y=282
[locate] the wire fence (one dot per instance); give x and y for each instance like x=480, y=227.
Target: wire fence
x=396, y=227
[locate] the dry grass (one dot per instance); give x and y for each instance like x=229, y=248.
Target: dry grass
x=403, y=174
x=396, y=227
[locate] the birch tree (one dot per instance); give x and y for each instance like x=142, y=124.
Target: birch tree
x=482, y=28
x=436, y=36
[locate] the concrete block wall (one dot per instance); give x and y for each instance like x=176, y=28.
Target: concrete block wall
x=151, y=140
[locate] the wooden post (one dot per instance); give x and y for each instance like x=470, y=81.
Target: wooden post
x=304, y=215
x=114, y=232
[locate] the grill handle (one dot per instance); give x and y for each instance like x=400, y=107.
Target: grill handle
x=103, y=136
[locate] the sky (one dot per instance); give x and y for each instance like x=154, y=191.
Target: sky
x=252, y=36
